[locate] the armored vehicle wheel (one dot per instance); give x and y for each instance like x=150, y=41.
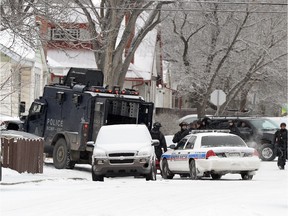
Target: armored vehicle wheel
x=152, y=174
x=267, y=152
x=166, y=173
x=61, y=158
x=193, y=171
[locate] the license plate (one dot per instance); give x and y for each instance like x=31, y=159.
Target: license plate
x=234, y=154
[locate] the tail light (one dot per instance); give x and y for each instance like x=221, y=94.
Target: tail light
x=210, y=153
x=85, y=130
x=255, y=153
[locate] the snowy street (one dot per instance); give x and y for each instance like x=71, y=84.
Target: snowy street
x=72, y=192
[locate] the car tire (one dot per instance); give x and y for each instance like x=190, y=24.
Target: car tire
x=216, y=176
x=246, y=176
x=166, y=173
x=267, y=152
x=61, y=156
x=152, y=174
x=193, y=171
x=96, y=177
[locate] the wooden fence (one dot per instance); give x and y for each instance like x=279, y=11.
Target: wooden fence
x=23, y=155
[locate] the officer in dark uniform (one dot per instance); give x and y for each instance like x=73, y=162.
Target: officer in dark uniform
x=182, y=133
x=233, y=128
x=157, y=134
x=281, y=145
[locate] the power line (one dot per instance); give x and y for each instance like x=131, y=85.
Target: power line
x=175, y=10
x=217, y=2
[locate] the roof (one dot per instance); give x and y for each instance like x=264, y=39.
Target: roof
x=15, y=56
x=60, y=61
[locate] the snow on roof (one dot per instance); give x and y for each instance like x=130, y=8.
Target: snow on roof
x=17, y=45
x=61, y=61
x=142, y=68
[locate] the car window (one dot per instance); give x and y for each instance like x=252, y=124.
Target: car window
x=190, y=143
x=264, y=124
x=181, y=144
x=221, y=141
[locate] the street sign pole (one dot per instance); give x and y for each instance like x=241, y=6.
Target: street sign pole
x=218, y=97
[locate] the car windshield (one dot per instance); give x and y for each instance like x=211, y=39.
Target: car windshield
x=264, y=124
x=118, y=135
x=222, y=141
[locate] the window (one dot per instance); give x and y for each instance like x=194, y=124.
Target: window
x=65, y=34
x=181, y=144
x=221, y=141
x=191, y=142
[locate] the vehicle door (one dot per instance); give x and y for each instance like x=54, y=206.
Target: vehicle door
x=187, y=153
x=98, y=117
x=245, y=130
x=35, y=121
x=176, y=157
x=146, y=114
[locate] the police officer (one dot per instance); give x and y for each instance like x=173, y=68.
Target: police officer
x=182, y=133
x=157, y=134
x=281, y=145
x=233, y=128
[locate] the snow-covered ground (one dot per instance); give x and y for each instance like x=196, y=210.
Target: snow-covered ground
x=72, y=192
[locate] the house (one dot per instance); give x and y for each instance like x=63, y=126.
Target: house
x=21, y=80
x=145, y=73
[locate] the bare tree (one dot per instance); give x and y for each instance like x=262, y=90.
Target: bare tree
x=233, y=51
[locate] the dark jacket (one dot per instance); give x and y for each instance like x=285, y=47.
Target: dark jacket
x=157, y=134
x=179, y=135
x=281, y=137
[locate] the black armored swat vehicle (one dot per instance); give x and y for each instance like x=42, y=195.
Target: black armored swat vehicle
x=70, y=114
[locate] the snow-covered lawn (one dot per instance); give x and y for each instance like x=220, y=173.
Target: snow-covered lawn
x=72, y=192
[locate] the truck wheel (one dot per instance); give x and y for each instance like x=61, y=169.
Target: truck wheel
x=61, y=158
x=96, y=177
x=193, y=171
x=267, y=152
x=166, y=173
x=152, y=174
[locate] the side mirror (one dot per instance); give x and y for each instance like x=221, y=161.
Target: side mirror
x=90, y=144
x=172, y=146
x=155, y=142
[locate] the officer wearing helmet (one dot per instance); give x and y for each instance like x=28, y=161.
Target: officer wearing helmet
x=157, y=134
x=182, y=133
x=281, y=138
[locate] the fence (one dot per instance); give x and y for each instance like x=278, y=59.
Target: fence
x=22, y=155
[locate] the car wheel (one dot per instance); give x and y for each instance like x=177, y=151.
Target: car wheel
x=246, y=176
x=216, y=176
x=193, y=171
x=96, y=177
x=267, y=152
x=61, y=156
x=152, y=174
x=166, y=173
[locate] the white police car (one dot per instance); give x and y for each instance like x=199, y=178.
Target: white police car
x=210, y=153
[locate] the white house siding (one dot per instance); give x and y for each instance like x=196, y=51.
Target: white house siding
x=9, y=81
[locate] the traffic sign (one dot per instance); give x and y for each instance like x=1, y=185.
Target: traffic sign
x=218, y=97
